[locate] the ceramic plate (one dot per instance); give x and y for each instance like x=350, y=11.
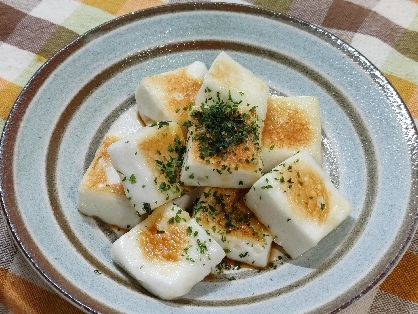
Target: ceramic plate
x=369, y=145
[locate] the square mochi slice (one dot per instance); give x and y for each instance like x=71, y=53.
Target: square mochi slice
x=229, y=80
x=298, y=203
x=168, y=252
x=223, y=147
x=226, y=218
x=292, y=124
x=148, y=163
x=100, y=192
x=166, y=96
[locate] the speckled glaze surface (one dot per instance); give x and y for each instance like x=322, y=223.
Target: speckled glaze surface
x=369, y=141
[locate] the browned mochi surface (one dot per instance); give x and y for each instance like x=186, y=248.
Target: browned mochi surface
x=286, y=126
x=305, y=190
x=162, y=241
x=181, y=90
x=241, y=156
x=160, y=146
x=96, y=176
x=223, y=211
x=223, y=71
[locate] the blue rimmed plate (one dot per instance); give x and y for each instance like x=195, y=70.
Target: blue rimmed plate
x=369, y=144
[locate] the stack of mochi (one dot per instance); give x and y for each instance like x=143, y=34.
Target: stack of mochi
x=221, y=169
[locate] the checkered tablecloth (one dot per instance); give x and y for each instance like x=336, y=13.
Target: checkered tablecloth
x=31, y=31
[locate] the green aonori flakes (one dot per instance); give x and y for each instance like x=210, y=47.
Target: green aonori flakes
x=221, y=125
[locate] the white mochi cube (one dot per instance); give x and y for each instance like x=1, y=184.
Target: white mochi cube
x=127, y=123
x=100, y=192
x=148, y=163
x=298, y=203
x=227, y=79
x=226, y=218
x=214, y=156
x=292, y=124
x=187, y=200
x=166, y=96
x=168, y=252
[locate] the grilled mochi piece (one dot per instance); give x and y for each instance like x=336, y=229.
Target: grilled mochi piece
x=225, y=217
x=223, y=147
x=292, y=124
x=228, y=80
x=148, y=163
x=168, y=252
x=100, y=192
x=298, y=203
x=166, y=96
